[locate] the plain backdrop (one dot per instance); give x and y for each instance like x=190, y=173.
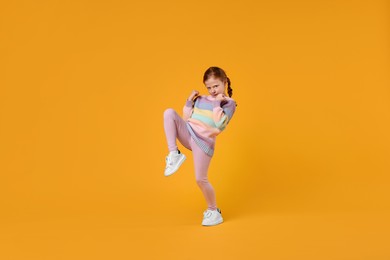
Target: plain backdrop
x=301, y=171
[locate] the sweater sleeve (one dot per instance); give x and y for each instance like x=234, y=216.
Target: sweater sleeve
x=188, y=109
x=223, y=112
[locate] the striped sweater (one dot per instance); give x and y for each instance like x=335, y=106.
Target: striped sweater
x=206, y=118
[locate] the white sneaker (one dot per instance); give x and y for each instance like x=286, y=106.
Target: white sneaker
x=212, y=217
x=173, y=162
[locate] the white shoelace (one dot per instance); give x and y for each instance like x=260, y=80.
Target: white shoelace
x=207, y=214
x=168, y=160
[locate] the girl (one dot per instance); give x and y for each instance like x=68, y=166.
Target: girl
x=204, y=117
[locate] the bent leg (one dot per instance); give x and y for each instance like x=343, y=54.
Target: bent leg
x=201, y=164
x=175, y=127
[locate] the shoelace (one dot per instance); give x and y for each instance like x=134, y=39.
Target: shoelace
x=207, y=214
x=168, y=160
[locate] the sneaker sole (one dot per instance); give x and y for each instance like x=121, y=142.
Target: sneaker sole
x=214, y=224
x=183, y=158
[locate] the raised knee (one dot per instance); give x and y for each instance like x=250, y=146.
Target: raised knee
x=169, y=112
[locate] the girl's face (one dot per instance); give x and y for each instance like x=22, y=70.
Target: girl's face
x=215, y=86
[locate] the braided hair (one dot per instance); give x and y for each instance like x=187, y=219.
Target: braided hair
x=230, y=90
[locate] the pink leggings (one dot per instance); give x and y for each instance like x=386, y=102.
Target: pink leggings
x=175, y=127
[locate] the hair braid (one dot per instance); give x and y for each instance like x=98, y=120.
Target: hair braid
x=230, y=90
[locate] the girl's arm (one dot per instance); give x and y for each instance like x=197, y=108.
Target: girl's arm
x=188, y=109
x=189, y=106
x=223, y=111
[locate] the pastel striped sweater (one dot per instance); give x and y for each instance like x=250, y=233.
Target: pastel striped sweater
x=206, y=118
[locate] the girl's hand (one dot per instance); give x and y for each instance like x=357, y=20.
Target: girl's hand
x=220, y=97
x=193, y=95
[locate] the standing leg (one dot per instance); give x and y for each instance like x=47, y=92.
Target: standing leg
x=175, y=127
x=201, y=163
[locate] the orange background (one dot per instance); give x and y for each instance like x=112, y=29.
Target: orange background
x=301, y=172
